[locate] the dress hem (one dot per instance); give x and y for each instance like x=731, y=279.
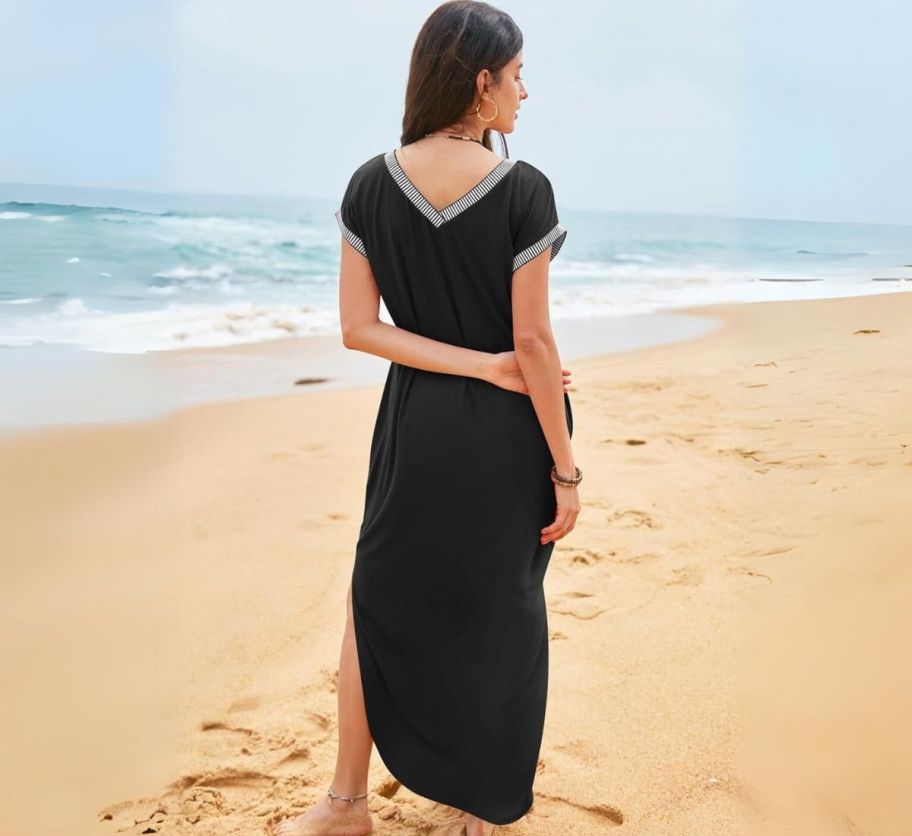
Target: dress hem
x=410, y=784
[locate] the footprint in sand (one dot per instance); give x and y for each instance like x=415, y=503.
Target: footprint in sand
x=225, y=777
x=691, y=575
x=203, y=802
x=608, y=812
x=740, y=451
x=299, y=454
x=282, y=456
x=225, y=789
x=311, y=524
x=632, y=518
x=218, y=725
x=313, y=725
x=567, y=758
x=599, y=816
x=636, y=559
x=690, y=439
x=617, y=579
x=244, y=704
x=580, y=558
x=595, y=503
x=292, y=762
x=578, y=604
x=751, y=577
x=315, y=447
x=330, y=681
x=767, y=551
x=224, y=741
x=587, y=557
x=579, y=750
x=647, y=385
x=127, y=815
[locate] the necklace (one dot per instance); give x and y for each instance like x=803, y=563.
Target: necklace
x=457, y=136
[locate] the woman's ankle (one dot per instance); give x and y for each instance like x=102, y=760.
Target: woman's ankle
x=342, y=805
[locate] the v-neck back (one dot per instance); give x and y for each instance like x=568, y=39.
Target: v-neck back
x=436, y=216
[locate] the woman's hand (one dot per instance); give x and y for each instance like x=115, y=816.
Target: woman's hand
x=567, y=510
x=503, y=370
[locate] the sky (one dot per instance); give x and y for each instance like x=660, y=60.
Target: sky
x=773, y=109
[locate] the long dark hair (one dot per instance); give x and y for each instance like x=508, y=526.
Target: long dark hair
x=458, y=41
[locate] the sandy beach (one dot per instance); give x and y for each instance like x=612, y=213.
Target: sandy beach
x=729, y=620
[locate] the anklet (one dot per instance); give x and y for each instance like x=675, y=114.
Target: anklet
x=348, y=798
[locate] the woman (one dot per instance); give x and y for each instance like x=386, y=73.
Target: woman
x=471, y=478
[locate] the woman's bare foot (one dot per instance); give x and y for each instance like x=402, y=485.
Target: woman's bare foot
x=339, y=818
x=476, y=826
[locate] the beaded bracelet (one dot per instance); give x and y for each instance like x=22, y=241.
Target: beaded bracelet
x=566, y=481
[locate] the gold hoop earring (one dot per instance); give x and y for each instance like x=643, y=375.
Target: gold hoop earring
x=478, y=110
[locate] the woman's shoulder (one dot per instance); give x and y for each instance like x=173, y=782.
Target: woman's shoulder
x=363, y=178
x=371, y=167
x=530, y=173
x=526, y=166
x=530, y=182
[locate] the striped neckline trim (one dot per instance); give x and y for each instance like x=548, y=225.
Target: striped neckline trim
x=438, y=217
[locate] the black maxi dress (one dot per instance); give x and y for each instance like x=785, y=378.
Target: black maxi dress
x=449, y=610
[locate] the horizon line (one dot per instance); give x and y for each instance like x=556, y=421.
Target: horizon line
x=289, y=196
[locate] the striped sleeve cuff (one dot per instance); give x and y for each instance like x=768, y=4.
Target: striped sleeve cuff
x=554, y=239
x=350, y=236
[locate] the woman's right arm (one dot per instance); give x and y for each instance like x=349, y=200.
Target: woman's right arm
x=537, y=355
x=362, y=330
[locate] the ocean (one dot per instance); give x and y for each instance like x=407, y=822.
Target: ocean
x=128, y=272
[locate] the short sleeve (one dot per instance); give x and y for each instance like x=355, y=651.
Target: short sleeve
x=535, y=225
x=348, y=219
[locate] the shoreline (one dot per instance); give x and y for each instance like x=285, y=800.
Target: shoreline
x=106, y=388
x=61, y=385
x=728, y=616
